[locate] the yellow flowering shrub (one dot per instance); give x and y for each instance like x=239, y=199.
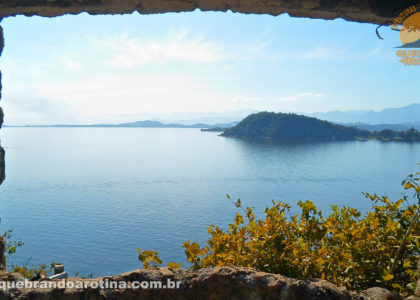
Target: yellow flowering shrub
x=379, y=248
x=150, y=259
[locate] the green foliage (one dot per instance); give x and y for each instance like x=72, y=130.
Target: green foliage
x=11, y=245
x=410, y=135
x=25, y=269
x=380, y=248
x=31, y=271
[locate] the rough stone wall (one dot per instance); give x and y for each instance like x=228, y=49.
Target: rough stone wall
x=213, y=284
x=371, y=11
x=2, y=249
x=2, y=164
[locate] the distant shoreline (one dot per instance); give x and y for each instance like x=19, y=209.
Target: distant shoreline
x=97, y=126
x=138, y=124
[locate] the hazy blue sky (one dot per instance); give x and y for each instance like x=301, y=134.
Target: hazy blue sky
x=92, y=69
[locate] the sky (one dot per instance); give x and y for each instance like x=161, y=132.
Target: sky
x=109, y=69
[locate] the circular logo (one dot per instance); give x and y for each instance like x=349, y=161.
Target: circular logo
x=410, y=31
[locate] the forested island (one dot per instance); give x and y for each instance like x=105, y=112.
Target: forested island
x=289, y=126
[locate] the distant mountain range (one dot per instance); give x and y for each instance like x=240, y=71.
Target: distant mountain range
x=379, y=127
x=191, y=118
x=140, y=124
x=407, y=115
x=157, y=124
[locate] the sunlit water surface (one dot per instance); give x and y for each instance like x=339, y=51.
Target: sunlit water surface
x=90, y=197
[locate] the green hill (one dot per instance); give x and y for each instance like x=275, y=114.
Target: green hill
x=269, y=125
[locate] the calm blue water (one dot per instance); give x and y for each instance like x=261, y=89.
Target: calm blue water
x=89, y=197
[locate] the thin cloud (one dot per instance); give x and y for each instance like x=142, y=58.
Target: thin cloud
x=243, y=99
x=126, y=51
x=68, y=61
x=61, y=58
x=372, y=52
x=300, y=96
